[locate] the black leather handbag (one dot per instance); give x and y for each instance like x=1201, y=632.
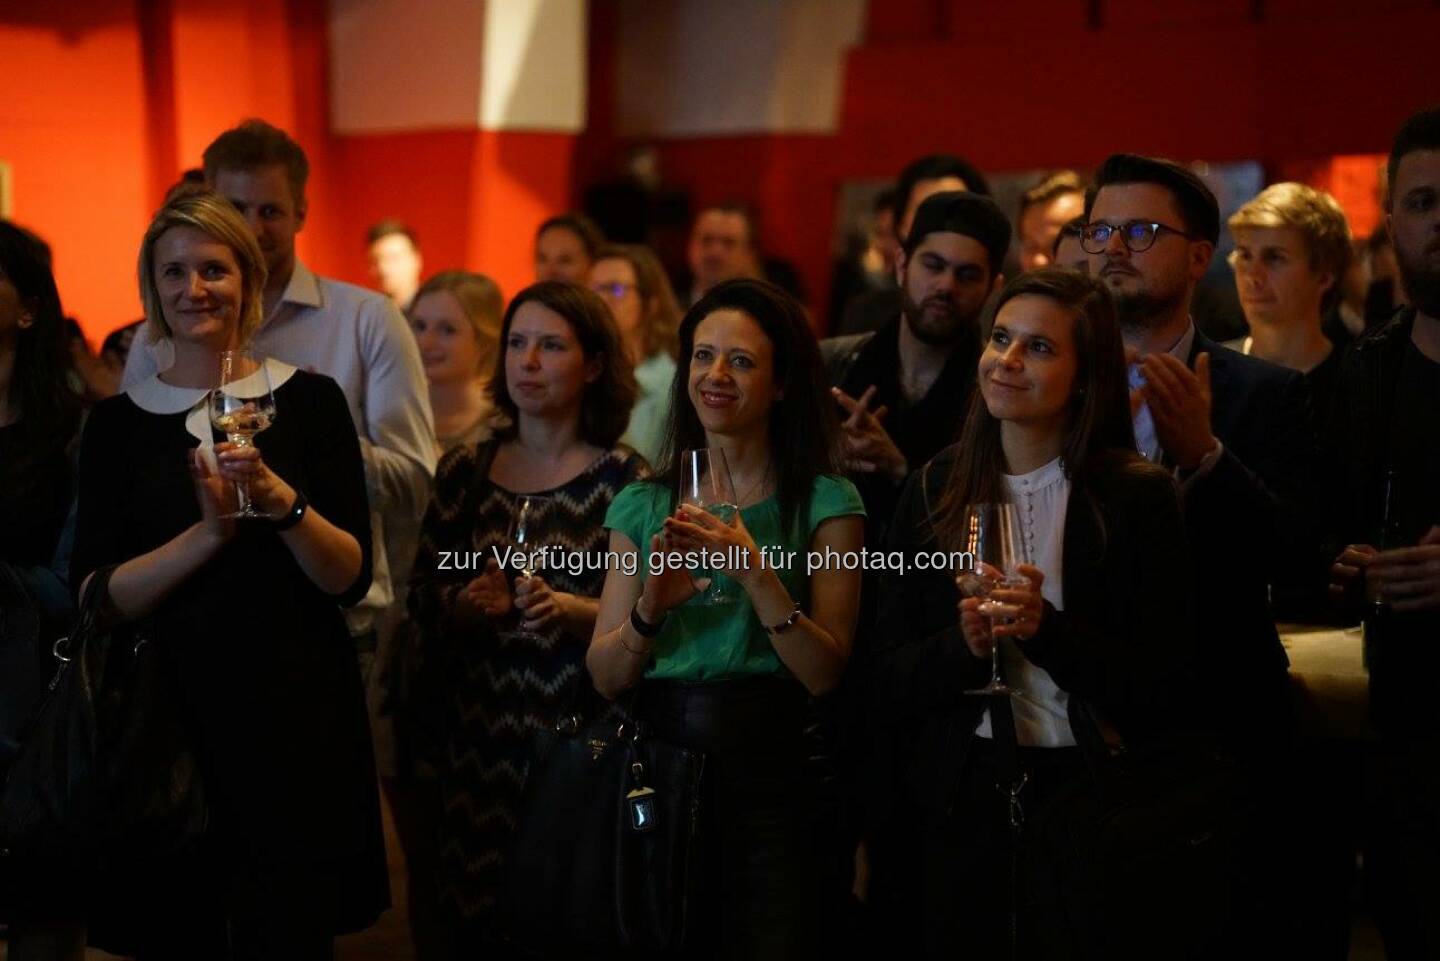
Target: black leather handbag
x=105, y=769
x=605, y=855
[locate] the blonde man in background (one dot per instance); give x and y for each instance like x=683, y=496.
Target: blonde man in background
x=1292, y=248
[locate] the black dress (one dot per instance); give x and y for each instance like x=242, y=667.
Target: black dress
x=266, y=666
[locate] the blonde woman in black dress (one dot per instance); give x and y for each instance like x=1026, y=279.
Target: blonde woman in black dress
x=248, y=613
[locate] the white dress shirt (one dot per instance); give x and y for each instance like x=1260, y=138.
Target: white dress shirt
x=358, y=338
x=1041, y=708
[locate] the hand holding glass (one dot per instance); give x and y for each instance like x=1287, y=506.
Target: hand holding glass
x=524, y=526
x=996, y=542
x=241, y=407
x=705, y=483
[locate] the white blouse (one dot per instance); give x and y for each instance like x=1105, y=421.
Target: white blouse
x=1040, y=499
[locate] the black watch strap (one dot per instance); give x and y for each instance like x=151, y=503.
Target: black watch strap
x=292, y=517
x=643, y=627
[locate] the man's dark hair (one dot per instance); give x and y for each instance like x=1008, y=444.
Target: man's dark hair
x=1198, y=207
x=934, y=167
x=390, y=227
x=962, y=212
x=884, y=200
x=742, y=210
x=1047, y=188
x=590, y=234
x=1420, y=132
x=256, y=143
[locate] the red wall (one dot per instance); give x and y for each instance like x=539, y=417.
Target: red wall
x=73, y=129
x=107, y=100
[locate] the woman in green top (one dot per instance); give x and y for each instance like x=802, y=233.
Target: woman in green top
x=734, y=679
x=629, y=278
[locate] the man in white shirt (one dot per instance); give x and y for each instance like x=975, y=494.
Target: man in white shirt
x=348, y=333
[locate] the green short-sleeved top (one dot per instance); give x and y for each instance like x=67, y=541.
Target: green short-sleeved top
x=701, y=642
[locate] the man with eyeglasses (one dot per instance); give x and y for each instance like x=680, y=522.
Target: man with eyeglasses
x=1237, y=432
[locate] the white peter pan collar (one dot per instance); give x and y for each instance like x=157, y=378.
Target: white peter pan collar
x=154, y=396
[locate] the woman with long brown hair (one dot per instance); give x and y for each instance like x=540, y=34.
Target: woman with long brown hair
x=1104, y=619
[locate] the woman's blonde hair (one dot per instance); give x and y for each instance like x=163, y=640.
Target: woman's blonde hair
x=211, y=213
x=480, y=300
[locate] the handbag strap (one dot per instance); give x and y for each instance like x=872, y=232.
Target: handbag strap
x=92, y=606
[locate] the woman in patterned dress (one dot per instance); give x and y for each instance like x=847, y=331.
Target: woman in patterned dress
x=514, y=646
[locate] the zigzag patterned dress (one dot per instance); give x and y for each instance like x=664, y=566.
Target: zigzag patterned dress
x=499, y=687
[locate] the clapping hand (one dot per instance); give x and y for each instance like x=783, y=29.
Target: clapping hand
x=1179, y=401
x=1021, y=606
x=539, y=605
x=268, y=491
x=487, y=596
x=216, y=497
x=1408, y=578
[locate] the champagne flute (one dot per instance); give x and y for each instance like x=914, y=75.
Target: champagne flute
x=705, y=483
x=996, y=545
x=525, y=521
x=241, y=407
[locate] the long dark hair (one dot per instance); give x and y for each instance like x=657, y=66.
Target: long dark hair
x=802, y=421
x=1099, y=433
x=605, y=405
x=39, y=390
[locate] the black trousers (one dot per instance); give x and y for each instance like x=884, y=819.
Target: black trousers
x=762, y=815
x=973, y=858
x=1402, y=846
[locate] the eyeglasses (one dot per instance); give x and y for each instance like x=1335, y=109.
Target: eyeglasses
x=1138, y=235
x=614, y=291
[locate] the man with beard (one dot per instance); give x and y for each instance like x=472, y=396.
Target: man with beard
x=1235, y=429
x=903, y=391
x=1384, y=447
x=921, y=178
x=1237, y=432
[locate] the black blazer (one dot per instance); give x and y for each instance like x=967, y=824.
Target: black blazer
x=1124, y=642
x=1252, y=531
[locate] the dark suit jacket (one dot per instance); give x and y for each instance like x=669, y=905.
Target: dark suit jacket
x=1251, y=526
x=1124, y=642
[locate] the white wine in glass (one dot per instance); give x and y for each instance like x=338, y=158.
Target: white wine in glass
x=705, y=483
x=241, y=407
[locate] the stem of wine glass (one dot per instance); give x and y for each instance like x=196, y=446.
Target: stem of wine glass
x=994, y=654
x=242, y=487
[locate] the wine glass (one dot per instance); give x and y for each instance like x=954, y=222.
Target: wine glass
x=525, y=521
x=705, y=483
x=241, y=407
x=996, y=546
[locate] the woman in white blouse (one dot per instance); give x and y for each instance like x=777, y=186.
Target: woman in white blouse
x=1105, y=619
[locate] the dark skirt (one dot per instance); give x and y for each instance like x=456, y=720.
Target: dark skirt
x=762, y=816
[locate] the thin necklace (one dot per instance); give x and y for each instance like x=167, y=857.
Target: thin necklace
x=764, y=475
